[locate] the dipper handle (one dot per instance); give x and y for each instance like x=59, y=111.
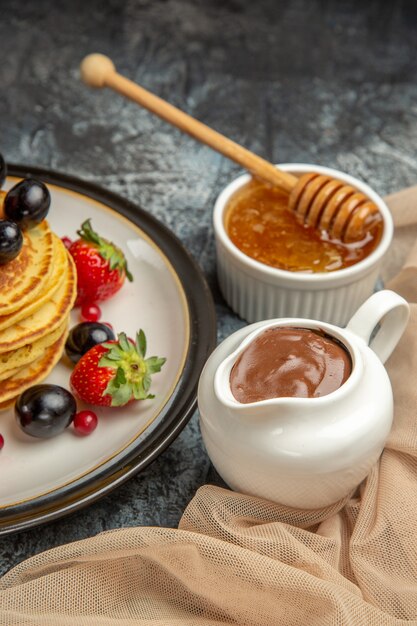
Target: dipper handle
x=318, y=201
x=99, y=71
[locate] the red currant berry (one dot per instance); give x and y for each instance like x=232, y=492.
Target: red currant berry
x=67, y=242
x=90, y=313
x=85, y=422
x=1, y=441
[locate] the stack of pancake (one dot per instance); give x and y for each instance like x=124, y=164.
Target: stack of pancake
x=37, y=293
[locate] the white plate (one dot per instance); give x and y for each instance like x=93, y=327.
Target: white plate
x=169, y=300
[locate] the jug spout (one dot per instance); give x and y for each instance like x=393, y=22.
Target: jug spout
x=259, y=411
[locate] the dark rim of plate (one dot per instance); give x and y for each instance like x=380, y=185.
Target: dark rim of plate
x=182, y=403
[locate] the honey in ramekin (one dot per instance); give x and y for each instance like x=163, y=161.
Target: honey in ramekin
x=258, y=222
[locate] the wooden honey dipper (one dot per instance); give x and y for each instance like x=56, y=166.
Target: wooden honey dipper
x=319, y=201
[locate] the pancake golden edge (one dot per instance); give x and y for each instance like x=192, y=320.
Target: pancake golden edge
x=7, y=403
x=23, y=278
x=47, y=318
x=9, y=373
x=32, y=373
x=55, y=280
x=17, y=359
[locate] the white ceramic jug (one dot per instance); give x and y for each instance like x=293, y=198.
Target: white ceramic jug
x=305, y=452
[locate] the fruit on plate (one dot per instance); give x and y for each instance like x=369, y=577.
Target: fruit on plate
x=116, y=372
x=84, y=336
x=90, y=312
x=3, y=170
x=27, y=203
x=101, y=266
x=45, y=410
x=11, y=241
x=85, y=422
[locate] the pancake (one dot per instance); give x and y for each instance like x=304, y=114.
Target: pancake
x=47, y=318
x=23, y=278
x=33, y=373
x=26, y=354
x=9, y=373
x=55, y=279
x=7, y=403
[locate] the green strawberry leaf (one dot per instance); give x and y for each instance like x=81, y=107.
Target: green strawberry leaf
x=138, y=393
x=154, y=364
x=124, y=343
x=141, y=343
x=106, y=361
x=146, y=383
x=87, y=233
x=114, y=260
x=129, y=276
x=110, y=356
x=132, y=374
x=120, y=394
x=120, y=378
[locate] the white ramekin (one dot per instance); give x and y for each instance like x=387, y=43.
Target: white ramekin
x=256, y=291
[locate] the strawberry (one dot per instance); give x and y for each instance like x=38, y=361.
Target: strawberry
x=116, y=372
x=101, y=266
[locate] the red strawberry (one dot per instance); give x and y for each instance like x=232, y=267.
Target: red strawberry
x=101, y=266
x=115, y=373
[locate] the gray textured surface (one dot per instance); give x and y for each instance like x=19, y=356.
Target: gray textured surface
x=302, y=81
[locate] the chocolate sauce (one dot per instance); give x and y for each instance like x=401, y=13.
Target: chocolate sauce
x=289, y=362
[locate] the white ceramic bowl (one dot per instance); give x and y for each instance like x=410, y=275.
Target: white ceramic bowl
x=256, y=291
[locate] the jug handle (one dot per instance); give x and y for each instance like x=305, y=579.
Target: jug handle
x=386, y=313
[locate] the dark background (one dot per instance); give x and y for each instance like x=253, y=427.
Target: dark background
x=333, y=83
